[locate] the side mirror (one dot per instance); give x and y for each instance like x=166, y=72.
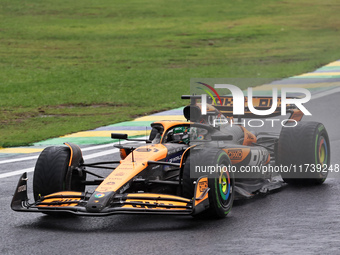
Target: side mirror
x=119, y=136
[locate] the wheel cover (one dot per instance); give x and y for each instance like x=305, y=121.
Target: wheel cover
x=224, y=184
x=323, y=151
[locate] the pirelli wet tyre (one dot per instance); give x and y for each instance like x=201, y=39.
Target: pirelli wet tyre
x=220, y=183
x=51, y=170
x=304, y=151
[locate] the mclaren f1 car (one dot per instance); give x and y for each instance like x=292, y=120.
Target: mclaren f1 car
x=184, y=167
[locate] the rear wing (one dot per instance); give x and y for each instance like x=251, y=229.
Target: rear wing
x=259, y=102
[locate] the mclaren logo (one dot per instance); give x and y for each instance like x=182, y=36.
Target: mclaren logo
x=235, y=154
x=203, y=185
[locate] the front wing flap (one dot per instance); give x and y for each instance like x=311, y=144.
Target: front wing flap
x=131, y=203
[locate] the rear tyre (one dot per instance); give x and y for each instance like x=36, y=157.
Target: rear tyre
x=305, y=149
x=50, y=173
x=221, y=183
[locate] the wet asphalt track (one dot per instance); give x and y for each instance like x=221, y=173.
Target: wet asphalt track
x=291, y=221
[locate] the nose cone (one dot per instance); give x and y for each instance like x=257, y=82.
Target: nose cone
x=98, y=201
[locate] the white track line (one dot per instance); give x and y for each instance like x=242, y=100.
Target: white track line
x=325, y=93
x=100, y=154
x=31, y=169
x=18, y=159
x=36, y=156
x=19, y=172
x=91, y=148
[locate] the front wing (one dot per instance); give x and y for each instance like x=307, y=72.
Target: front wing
x=130, y=203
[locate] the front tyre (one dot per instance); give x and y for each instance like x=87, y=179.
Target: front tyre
x=50, y=173
x=221, y=194
x=221, y=182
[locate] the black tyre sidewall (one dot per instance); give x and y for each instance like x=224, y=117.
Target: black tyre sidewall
x=50, y=171
x=298, y=146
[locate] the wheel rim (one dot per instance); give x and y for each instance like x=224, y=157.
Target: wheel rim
x=323, y=151
x=224, y=186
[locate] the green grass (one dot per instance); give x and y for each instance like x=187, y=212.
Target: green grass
x=67, y=66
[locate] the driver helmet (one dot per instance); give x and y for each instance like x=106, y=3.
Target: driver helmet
x=181, y=135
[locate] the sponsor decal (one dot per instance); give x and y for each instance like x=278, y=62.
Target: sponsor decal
x=174, y=150
x=175, y=159
x=200, y=137
x=259, y=106
x=154, y=205
x=66, y=201
x=238, y=100
x=321, y=127
x=146, y=149
x=120, y=174
x=143, y=149
x=235, y=154
x=114, y=178
x=99, y=195
x=105, y=189
x=203, y=185
x=22, y=188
